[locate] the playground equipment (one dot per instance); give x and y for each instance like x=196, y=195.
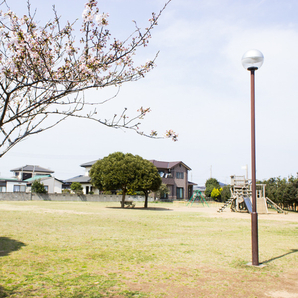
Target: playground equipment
x=241, y=196
x=197, y=195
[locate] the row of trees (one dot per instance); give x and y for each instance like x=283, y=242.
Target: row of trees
x=283, y=191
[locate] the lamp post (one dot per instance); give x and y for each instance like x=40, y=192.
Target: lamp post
x=253, y=60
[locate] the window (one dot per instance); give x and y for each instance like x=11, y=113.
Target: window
x=179, y=192
x=2, y=188
x=19, y=188
x=179, y=175
x=26, y=176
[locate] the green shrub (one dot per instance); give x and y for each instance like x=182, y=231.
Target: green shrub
x=77, y=188
x=38, y=187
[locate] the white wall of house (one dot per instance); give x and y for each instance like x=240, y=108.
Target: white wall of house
x=87, y=169
x=11, y=185
x=57, y=187
x=90, y=188
x=53, y=185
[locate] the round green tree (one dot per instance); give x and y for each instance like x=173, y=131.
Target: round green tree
x=119, y=171
x=114, y=172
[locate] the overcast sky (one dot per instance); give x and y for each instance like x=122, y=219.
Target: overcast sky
x=199, y=89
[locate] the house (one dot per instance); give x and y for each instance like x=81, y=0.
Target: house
x=51, y=184
x=85, y=180
x=175, y=176
x=28, y=171
x=12, y=185
x=27, y=174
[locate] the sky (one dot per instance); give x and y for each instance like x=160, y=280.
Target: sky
x=199, y=89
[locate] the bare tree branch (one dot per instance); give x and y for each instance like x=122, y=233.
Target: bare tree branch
x=44, y=74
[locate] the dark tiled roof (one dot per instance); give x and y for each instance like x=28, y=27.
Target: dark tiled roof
x=81, y=179
x=88, y=164
x=167, y=164
x=192, y=183
x=30, y=168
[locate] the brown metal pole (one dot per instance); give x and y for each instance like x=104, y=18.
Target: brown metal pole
x=254, y=214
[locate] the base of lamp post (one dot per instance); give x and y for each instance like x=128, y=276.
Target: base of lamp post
x=258, y=266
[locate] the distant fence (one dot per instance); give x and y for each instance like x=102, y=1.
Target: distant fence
x=22, y=196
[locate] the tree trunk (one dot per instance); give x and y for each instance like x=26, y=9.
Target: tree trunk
x=123, y=197
x=146, y=199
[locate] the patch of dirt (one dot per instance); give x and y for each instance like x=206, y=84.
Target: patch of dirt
x=282, y=294
x=227, y=213
x=208, y=211
x=210, y=282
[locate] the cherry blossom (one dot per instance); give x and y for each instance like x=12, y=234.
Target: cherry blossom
x=45, y=69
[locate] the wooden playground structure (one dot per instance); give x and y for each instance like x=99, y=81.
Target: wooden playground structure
x=241, y=197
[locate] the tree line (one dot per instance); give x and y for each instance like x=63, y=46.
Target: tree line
x=283, y=191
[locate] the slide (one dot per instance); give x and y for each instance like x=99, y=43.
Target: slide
x=248, y=204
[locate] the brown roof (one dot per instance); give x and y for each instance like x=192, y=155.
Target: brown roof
x=168, y=164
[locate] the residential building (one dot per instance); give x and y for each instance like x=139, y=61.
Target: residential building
x=28, y=171
x=51, y=184
x=27, y=174
x=85, y=180
x=175, y=176
x=12, y=185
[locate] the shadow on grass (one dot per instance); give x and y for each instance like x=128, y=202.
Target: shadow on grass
x=8, y=245
x=276, y=258
x=142, y=208
x=3, y=293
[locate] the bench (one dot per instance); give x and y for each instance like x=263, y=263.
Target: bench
x=129, y=204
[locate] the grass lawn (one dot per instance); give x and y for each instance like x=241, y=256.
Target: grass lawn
x=83, y=249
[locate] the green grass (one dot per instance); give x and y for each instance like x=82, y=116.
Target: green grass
x=82, y=249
